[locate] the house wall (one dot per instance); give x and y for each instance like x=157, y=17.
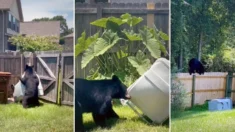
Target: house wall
x=14, y=10
x=3, y=25
x=68, y=43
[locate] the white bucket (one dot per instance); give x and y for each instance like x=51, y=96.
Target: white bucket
x=150, y=93
x=19, y=89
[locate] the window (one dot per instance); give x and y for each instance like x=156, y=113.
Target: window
x=81, y=1
x=13, y=23
x=9, y=20
x=101, y=1
x=91, y=1
x=17, y=26
x=10, y=45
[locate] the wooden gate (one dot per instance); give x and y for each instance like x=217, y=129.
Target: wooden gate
x=55, y=70
x=67, y=82
x=47, y=67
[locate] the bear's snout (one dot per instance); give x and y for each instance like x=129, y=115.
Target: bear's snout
x=127, y=96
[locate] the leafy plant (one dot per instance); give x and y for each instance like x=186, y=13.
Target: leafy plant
x=178, y=95
x=35, y=43
x=124, y=52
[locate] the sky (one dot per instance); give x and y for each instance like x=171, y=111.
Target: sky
x=48, y=8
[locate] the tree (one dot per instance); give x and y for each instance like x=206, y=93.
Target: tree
x=199, y=29
x=64, y=30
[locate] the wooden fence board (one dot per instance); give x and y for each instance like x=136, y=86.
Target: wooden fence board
x=67, y=82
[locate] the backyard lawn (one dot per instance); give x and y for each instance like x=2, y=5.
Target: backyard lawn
x=129, y=122
x=46, y=118
x=199, y=119
x=53, y=118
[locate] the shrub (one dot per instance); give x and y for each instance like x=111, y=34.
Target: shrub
x=178, y=95
x=35, y=43
x=127, y=53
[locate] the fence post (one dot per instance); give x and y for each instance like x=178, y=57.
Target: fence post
x=150, y=17
x=60, y=78
x=193, y=91
x=229, y=80
x=22, y=63
x=34, y=61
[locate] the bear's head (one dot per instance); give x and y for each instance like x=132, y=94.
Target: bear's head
x=120, y=89
x=29, y=69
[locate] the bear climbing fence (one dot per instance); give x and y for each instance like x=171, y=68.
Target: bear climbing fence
x=211, y=85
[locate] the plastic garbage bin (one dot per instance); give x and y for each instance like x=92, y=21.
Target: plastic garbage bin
x=4, y=83
x=150, y=93
x=220, y=104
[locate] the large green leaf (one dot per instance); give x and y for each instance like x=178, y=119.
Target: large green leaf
x=150, y=42
x=103, y=22
x=108, y=40
x=114, y=27
x=131, y=20
x=164, y=36
x=84, y=43
x=140, y=62
x=131, y=35
x=121, y=54
x=163, y=49
x=161, y=38
x=100, y=22
x=116, y=20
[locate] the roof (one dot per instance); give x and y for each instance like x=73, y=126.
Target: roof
x=6, y=5
x=138, y=1
x=69, y=36
x=41, y=28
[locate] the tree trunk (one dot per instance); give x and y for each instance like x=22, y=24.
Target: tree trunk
x=181, y=57
x=200, y=47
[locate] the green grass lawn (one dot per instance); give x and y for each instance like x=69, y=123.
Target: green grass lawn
x=128, y=122
x=46, y=118
x=199, y=119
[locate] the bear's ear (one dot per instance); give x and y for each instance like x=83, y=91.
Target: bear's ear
x=115, y=78
x=27, y=66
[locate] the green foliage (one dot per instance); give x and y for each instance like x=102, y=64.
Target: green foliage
x=150, y=42
x=35, y=43
x=131, y=20
x=222, y=61
x=140, y=62
x=98, y=48
x=84, y=43
x=178, y=94
x=114, y=52
x=210, y=20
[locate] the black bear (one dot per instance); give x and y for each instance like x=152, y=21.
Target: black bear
x=31, y=82
x=95, y=96
x=195, y=66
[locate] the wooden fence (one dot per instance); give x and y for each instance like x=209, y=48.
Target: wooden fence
x=50, y=66
x=152, y=14
x=208, y=86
